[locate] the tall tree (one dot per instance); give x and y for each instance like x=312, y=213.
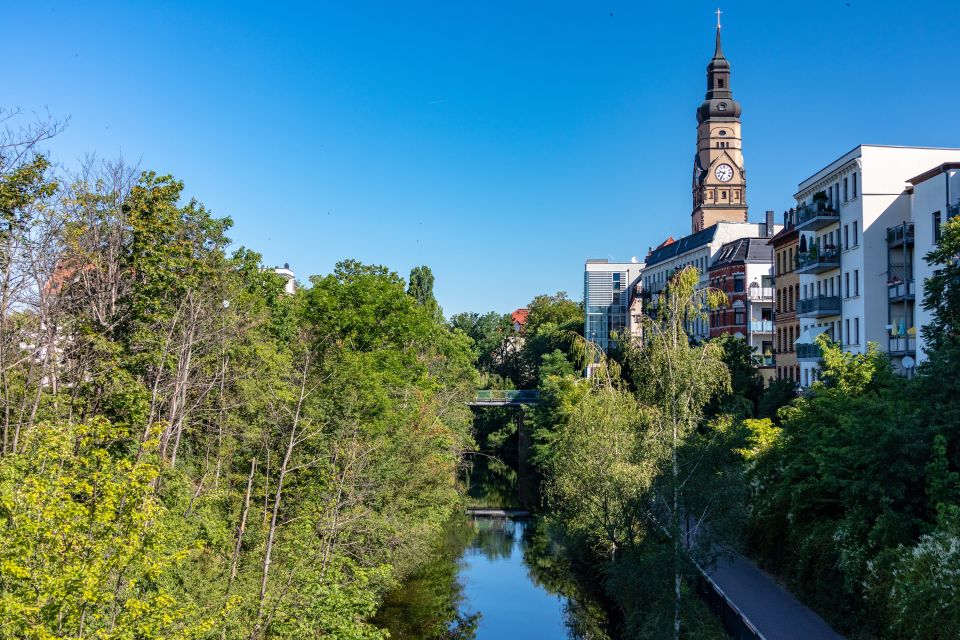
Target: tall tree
x=420, y=288
x=676, y=380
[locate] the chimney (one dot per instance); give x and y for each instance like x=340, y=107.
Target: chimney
x=769, y=224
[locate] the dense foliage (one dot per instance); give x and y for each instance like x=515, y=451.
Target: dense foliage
x=187, y=451
x=857, y=501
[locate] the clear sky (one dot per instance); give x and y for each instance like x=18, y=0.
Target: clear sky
x=499, y=142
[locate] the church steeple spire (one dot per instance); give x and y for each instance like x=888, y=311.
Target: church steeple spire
x=718, y=52
x=719, y=182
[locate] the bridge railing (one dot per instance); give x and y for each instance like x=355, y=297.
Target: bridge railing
x=512, y=395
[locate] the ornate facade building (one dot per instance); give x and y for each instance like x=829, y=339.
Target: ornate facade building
x=787, y=327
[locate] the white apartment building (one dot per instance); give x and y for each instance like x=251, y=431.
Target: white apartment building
x=843, y=213
x=697, y=250
x=609, y=288
x=934, y=199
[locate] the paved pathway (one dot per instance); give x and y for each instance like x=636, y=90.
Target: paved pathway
x=772, y=610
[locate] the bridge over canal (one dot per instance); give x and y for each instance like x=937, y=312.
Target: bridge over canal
x=505, y=398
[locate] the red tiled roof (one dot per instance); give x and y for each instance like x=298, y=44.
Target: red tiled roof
x=666, y=242
x=520, y=316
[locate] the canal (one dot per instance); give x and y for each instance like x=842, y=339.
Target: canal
x=494, y=578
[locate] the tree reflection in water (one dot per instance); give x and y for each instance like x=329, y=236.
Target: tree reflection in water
x=431, y=605
x=490, y=483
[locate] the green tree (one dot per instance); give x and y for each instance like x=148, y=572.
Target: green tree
x=89, y=548
x=942, y=290
x=421, y=290
x=746, y=384
x=676, y=380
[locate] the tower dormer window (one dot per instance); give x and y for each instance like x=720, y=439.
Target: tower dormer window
x=722, y=106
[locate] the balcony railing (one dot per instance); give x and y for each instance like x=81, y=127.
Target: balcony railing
x=760, y=294
x=902, y=345
x=900, y=290
x=819, y=307
x=767, y=361
x=809, y=352
x=818, y=261
x=899, y=234
x=815, y=215
x=761, y=326
x=953, y=210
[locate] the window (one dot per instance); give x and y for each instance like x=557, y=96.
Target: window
x=846, y=236
x=790, y=261
x=720, y=83
x=797, y=295
x=855, y=241
x=846, y=282
x=738, y=316
x=738, y=284
x=854, y=185
x=723, y=195
x=856, y=331
x=936, y=226
x=845, y=195
x=856, y=282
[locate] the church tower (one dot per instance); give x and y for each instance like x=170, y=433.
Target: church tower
x=719, y=182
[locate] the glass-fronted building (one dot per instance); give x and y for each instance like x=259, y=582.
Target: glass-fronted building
x=608, y=291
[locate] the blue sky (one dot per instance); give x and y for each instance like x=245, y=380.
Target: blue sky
x=501, y=143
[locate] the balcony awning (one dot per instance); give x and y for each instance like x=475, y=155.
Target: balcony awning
x=809, y=335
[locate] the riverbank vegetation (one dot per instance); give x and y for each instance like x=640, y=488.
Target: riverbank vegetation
x=850, y=492
x=189, y=452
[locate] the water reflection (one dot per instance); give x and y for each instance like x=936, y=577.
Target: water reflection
x=497, y=578
x=430, y=604
x=491, y=483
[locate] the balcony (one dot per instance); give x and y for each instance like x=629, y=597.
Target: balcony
x=819, y=307
x=815, y=216
x=902, y=346
x=766, y=362
x=761, y=326
x=900, y=235
x=760, y=294
x=814, y=261
x=953, y=210
x=809, y=352
x=900, y=291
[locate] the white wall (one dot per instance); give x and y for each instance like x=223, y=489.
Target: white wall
x=928, y=197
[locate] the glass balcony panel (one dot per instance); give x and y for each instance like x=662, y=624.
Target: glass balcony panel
x=819, y=307
x=815, y=215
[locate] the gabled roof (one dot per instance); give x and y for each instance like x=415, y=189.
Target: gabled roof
x=669, y=249
x=520, y=316
x=744, y=251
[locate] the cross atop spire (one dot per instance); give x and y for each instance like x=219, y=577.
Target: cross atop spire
x=718, y=52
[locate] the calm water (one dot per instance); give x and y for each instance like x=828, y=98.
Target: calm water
x=499, y=585
x=495, y=579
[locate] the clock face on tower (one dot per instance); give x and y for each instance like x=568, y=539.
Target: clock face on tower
x=724, y=172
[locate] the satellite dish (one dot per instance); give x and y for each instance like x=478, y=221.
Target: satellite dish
x=908, y=362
